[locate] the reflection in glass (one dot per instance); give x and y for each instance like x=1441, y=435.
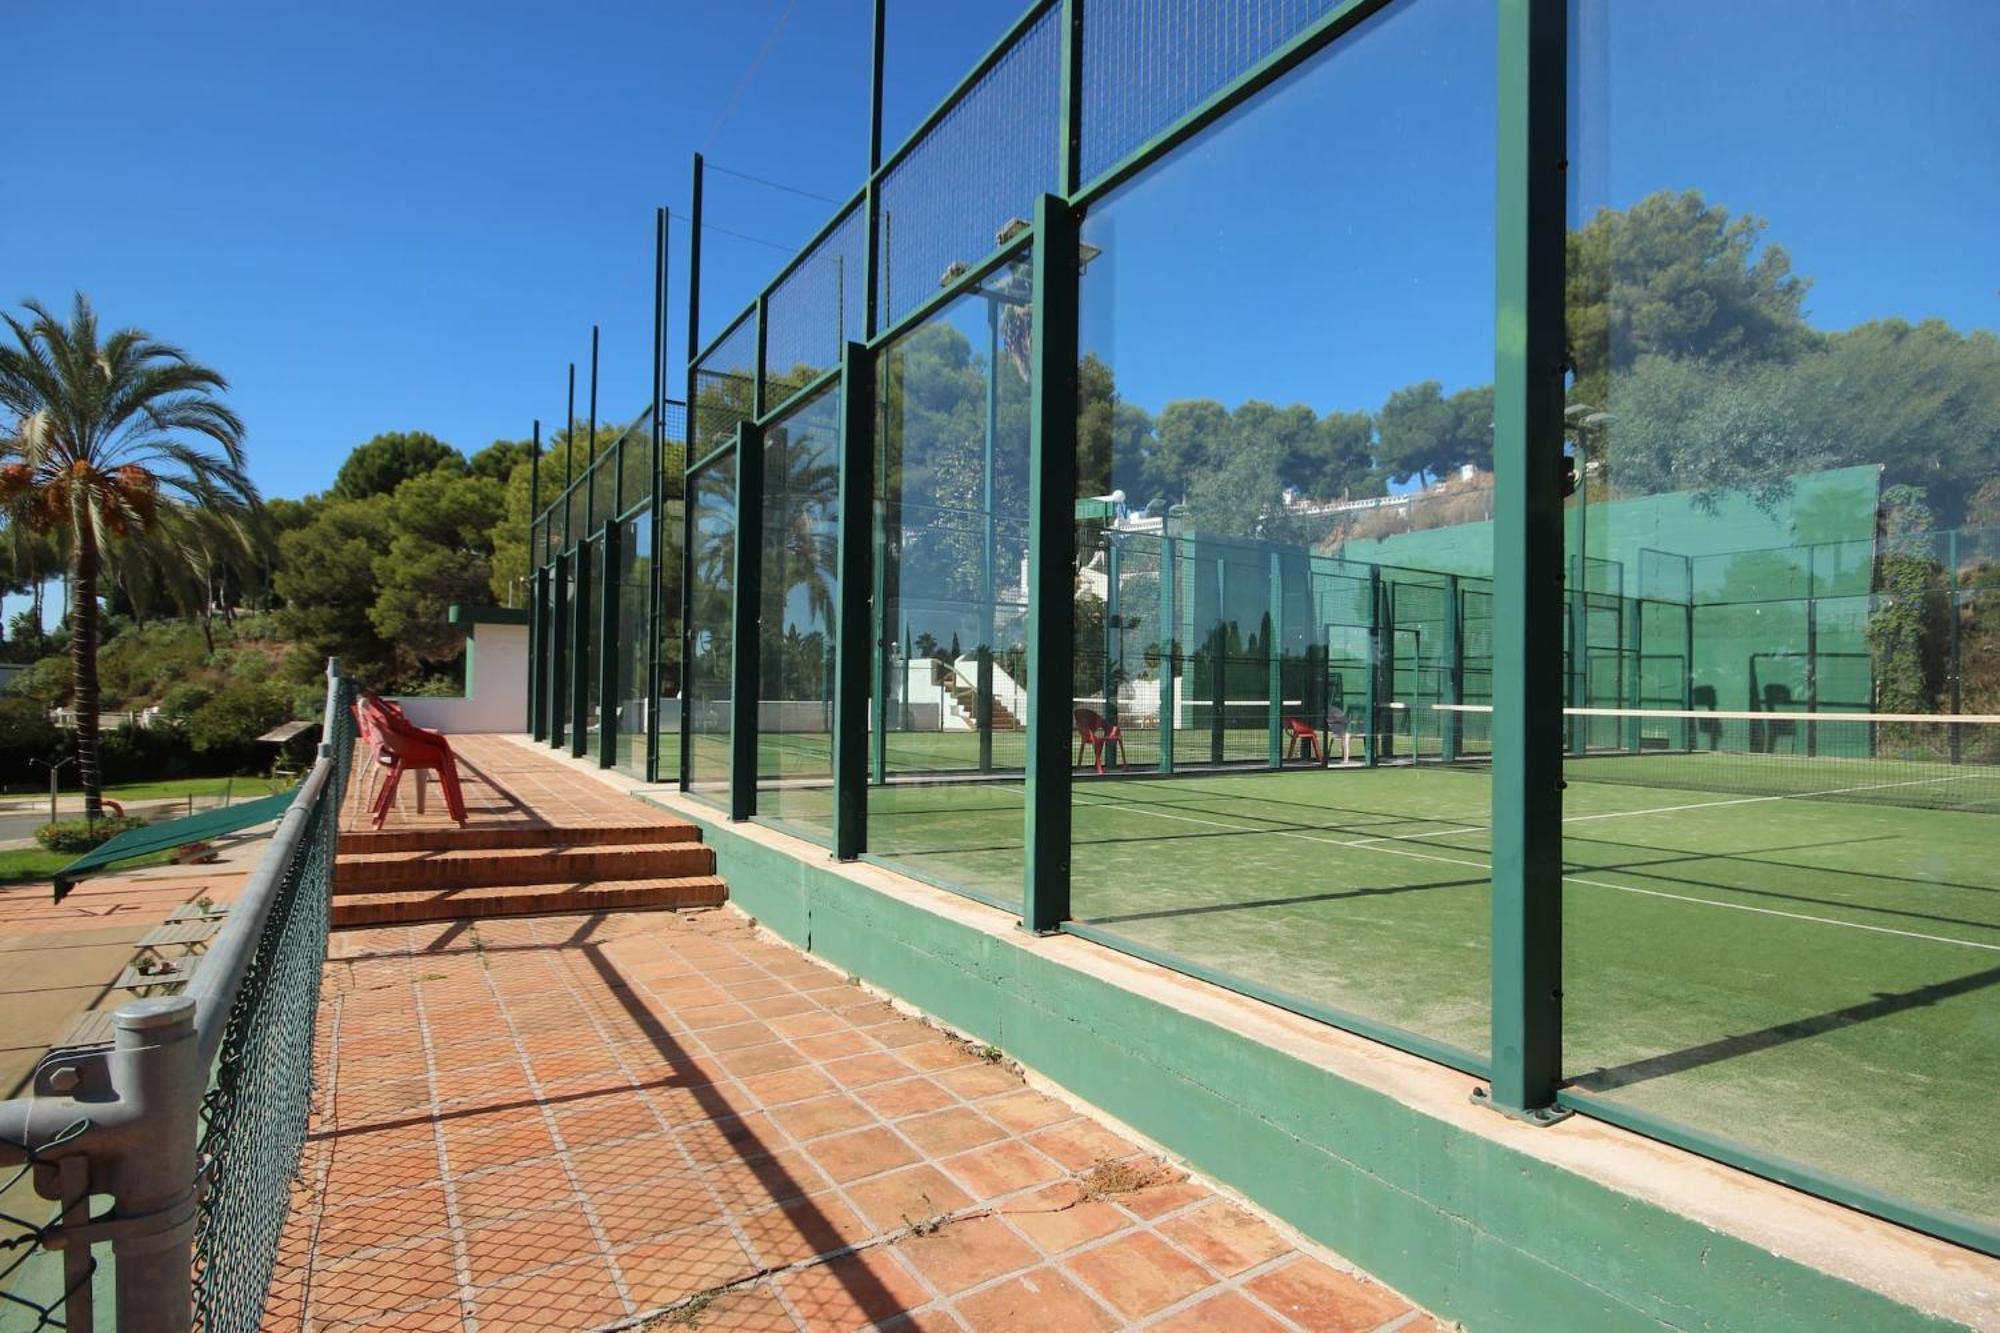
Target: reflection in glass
x=710, y=659
x=1786, y=436
x=800, y=592
x=1287, y=360
x=949, y=695
x=634, y=590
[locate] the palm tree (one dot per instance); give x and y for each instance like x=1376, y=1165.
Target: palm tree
x=94, y=444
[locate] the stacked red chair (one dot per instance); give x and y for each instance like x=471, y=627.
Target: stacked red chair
x=401, y=747
x=1094, y=731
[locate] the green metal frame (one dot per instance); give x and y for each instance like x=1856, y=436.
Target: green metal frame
x=747, y=614
x=608, y=560
x=583, y=562
x=1531, y=231
x=853, y=666
x=1528, y=585
x=1051, y=543
x=558, y=673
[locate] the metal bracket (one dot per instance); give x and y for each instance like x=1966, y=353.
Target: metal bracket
x=1541, y=1117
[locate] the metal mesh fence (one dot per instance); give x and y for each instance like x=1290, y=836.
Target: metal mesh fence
x=1147, y=63
x=725, y=385
x=815, y=310
x=976, y=171
x=256, y=1112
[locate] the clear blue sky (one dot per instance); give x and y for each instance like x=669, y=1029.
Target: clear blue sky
x=378, y=217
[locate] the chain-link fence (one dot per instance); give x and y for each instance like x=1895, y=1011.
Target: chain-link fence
x=190, y=1116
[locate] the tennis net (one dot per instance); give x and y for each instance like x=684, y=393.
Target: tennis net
x=1936, y=762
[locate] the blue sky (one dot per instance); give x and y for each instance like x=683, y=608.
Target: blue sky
x=389, y=217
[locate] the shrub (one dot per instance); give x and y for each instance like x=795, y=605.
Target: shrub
x=74, y=837
x=231, y=722
x=26, y=734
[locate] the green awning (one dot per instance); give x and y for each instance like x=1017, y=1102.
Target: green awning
x=174, y=833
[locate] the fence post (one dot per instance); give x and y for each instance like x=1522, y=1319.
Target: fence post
x=1528, y=548
x=156, y=1070
x=579, y=667
x=747, y=613
x=611, y=558
x=1051, y=574
x=854, y=640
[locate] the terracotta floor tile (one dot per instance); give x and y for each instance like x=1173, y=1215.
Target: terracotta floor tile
x=906, y=1196
x=910, y=1096
x=352, y=1177
x=809, y=1021
x=752, y=1184
x=835, y=1045
x=801, y=1229
x=855, y=1292
x=509, y=1190
x=1023, y=1111
x=375, y=1282
x=975, y=1080
x=1225, y=1311
x=820, y=1116
x=611, y=1165
x=605, y=1119
x=950, y=1131
x=736, y=1036
x=727, y=1138
x=497, y=1251
x=660, y=1272
x=1001, y=1168
x=1225, y=1237
x=907, y=1032
x=575, y=1295
x=499, y=1147
x=767, y=1059
x=862, y=1071
x=1058, y=1219
x=966, y=1253
x=437, y=1317
x=1041, y=1300
x=1156, y=1201
x=752, y=1309
x=1082, y=1144
x=1320, y=1297
x=939, y=1055
x=863, y=1152
x=654, y=1207
x=790, y=1085
x=1138, y=1273
x=388, y=1219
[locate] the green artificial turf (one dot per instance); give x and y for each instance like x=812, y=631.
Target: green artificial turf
x=1818, y=979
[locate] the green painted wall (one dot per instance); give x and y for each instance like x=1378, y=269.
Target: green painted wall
x=1473, y=1230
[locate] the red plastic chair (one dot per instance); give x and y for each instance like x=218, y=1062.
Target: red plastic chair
x=1094, y=731
x=1300, y=737
x=406, y=747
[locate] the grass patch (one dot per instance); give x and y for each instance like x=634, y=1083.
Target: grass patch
x=30, y=864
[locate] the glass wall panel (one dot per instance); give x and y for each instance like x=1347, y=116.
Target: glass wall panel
x=671, y=696
x=710, y=659
x=800, y=592
x=1284, y=475
x=1785, y=429
x=635, y=591
x=590, y=607
x=725, y=386
x=949, y=703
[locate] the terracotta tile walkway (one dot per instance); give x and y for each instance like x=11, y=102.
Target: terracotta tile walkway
x=575, y=1122
x=505, y=783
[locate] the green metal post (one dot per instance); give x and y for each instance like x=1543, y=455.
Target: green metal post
x=983, y=698
x=1051, y=574
x=747, y=614
x=1632, y=614
x=1528, y=545
x=610, y=555
x=853, y=638
x=656, y=545
x=557, y=701
x=1274, y=661
x=1218, y=676
x=579, y=672
x=879, y=645
x=1113, y=611
x=1169, y=633
x=693, y=447
x=538, y=631
x=1957, y=666
x=1379, y=644
x=1453, y=685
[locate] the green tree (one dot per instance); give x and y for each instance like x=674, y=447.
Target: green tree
x=1676, y=276
x=498, y=460
x=387, y=461
x=1907, y=623
x=95, y=444
x=441, y=554
x=326, y=575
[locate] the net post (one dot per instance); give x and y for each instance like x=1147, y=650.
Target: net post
x=1370, y=676
x=746, y=657
x=854, y=639
x=1528, y=545
x=1453, y=682
x=1051, y=574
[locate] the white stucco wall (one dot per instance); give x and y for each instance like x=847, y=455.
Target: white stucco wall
x=496, y=686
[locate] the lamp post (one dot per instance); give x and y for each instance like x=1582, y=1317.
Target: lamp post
x=1584, y=422
x=54, y=769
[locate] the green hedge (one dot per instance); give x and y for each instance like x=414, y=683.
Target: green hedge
x=74, y=837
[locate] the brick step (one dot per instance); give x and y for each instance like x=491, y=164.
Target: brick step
x=493, y=867
x=640, y=895
x=365, y=842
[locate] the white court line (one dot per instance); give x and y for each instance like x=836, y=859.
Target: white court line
x=1373, y=845
x=1750, y=800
